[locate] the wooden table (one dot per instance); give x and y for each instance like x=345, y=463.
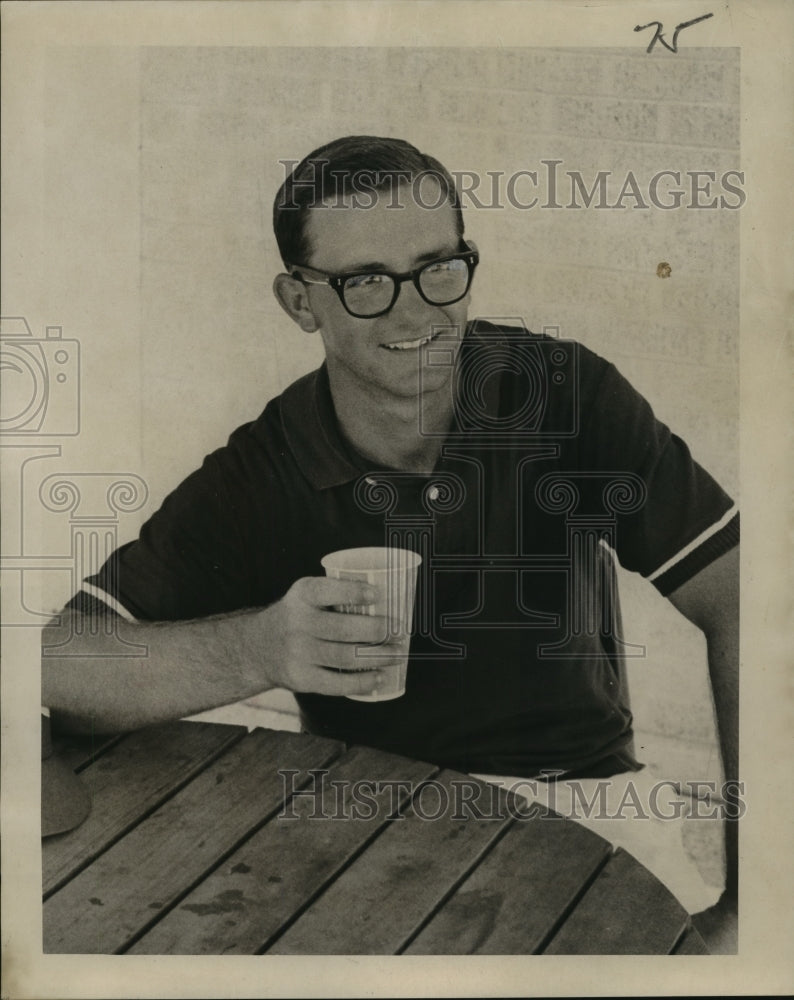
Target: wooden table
x=200, y=841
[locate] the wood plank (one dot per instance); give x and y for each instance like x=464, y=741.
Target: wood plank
x=79, y=751
x=626, y=911
x=267, y=882
x=691, y=944
x=382, y=899
x=515, y=899
x=128, y=888
x=133, y=777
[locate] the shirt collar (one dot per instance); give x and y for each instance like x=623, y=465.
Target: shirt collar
x=312, y=429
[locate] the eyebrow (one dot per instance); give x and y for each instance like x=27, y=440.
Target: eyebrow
x=377, y=265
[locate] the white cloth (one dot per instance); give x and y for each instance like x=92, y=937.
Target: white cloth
x=631, y=811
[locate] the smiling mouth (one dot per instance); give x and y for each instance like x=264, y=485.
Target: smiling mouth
x=410, y=345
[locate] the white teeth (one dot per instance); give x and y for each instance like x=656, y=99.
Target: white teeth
x=408, y=345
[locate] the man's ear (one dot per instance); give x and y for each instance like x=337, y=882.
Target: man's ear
x=292, y=297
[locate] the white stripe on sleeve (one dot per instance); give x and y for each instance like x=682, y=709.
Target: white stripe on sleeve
x=112, y=603
x=696, y=543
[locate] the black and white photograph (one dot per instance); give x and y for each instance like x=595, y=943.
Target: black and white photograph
x=383, y=388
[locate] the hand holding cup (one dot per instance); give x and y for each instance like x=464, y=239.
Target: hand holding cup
x=392, y=573
x=312, y=648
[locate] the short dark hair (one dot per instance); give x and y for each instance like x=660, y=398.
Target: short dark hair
x=333, y=170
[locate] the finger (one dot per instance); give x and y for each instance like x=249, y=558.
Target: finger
x=357, y=656
x=339, y=683
x=325, y=592
x=335, y=626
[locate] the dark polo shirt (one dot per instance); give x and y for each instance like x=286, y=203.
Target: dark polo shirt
x=553, y=462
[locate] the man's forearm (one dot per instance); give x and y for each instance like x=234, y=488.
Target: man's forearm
x=711, y=601
x=299, y=643
x=177, y=669
x=723, y=658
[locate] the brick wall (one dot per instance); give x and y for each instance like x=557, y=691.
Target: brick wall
x=215, y=123
x=215, y=346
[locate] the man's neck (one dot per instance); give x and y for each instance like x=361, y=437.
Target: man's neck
x=398, y=433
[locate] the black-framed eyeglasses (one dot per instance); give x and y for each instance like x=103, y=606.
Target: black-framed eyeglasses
x=367, y=294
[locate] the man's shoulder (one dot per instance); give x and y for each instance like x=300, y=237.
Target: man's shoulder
x=292, y=438
x=513, y=330
x=268, y=428
x=552, y=370
x=512, y=335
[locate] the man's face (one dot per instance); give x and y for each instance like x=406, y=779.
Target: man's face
x=361, y=353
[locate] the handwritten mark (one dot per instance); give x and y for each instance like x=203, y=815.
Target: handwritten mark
x=659, y=37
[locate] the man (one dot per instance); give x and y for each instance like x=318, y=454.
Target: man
x=492, y=450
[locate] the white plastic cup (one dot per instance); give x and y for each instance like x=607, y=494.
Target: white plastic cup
x=392, y=572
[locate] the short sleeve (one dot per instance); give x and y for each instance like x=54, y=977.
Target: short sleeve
x=187, y=561
x=676, y=518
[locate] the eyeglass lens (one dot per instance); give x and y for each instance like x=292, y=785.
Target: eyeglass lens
x=441, y=282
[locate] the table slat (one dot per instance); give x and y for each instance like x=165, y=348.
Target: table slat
x=381, y=900
x=143, y=875
x=133, y=777
x=626, y=911
x=692, y=944
x=80, y=750
x=513, y=901
x=265, y=883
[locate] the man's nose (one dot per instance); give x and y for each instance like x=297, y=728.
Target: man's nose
x=409, y=301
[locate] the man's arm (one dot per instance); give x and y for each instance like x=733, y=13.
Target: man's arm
x=186, y=667
x=711, y=601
